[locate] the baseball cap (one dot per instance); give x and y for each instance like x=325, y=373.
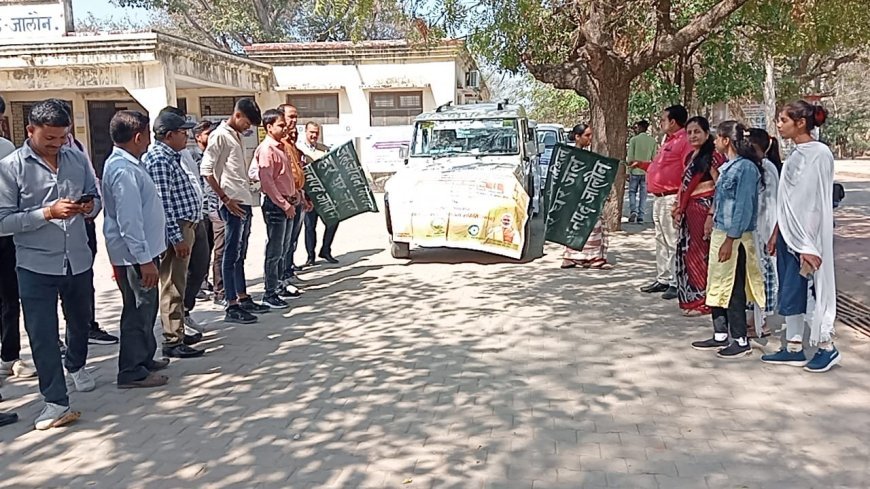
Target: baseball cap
x=168, y=122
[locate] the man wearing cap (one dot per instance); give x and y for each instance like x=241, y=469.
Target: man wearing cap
x=183, y=209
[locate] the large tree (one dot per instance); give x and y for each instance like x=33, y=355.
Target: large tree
x=233, y=24
x=596, y=48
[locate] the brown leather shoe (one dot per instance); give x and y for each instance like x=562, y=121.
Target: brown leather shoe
x=153, y=380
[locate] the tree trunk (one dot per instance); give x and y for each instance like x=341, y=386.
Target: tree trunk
x=770, y=113
x=608, y=100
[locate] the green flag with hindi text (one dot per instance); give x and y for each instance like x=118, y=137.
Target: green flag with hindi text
x=577, y=186
x=337, y=185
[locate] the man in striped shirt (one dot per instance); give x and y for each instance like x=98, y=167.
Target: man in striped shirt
x=183, y=208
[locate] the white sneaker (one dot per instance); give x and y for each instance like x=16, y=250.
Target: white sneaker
x=82, y=380
x=290, y=291
x=17, y=368
x=191, y=323
x=54, y=416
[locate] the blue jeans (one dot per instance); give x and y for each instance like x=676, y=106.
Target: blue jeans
x=278, y=236
x=39, y=295
x=295, y=231
x=237, y=230
x=793, y=286
x=637, y=203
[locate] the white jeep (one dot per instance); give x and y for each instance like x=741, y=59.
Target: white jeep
x=469, y=181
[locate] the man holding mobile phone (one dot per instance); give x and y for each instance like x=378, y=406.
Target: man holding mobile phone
x=134, y=227
x=39, y=184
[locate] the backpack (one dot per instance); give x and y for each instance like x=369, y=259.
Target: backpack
x=839, y=194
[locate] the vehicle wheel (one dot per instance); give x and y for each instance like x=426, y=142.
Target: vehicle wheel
x=400, y=250
x=387, y=214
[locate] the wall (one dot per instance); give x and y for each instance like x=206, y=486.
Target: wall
x=354, y=83
x=77, y=98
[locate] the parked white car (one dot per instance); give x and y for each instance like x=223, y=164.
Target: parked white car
x=548, y=136
x=469, y=181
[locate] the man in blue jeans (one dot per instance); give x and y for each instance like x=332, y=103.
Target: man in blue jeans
x=46, y=192
x=225, y=168
x=641, y=150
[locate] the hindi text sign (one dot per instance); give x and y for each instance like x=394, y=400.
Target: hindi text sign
x=337, y=185
x=577, y=186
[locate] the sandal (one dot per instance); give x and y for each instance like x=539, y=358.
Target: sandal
x=600, y=264
x=567, y=264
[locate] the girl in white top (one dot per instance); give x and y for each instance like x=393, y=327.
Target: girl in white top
x=804, y=243
x=768, y=147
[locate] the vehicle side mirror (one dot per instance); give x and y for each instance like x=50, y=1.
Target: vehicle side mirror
x=531, y=148
x=404, y=152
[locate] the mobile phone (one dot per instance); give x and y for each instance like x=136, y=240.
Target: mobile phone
x=84, y=199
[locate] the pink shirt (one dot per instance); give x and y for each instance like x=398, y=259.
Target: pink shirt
x=665, y=174
x=276, y=178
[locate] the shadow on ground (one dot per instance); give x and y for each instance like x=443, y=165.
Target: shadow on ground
x=389, y=374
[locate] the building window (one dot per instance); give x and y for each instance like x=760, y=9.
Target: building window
x=182, y=104
x=319, y=108
x=395, y=108
x=223, y=106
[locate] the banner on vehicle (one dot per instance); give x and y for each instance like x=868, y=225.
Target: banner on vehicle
x=578, y=184
x=481, y=211
x=337, y=185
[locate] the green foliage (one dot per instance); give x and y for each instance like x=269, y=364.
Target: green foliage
x=649, y=94
x=232, y=24
x=727, y=69
x=551, y=105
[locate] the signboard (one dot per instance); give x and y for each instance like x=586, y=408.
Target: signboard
x=479, y=210
x=338, y=186
x=24, y=19
x=577, y=186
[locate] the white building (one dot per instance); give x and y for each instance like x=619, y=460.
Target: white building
x=371, y=91
x=367, y=92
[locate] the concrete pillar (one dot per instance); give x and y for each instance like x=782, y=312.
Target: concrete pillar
x=155, y=90
x=268, y=100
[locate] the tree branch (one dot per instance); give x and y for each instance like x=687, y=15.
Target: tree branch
x=824, y=66
x=672, y=44
x=663, y=17
x=567, y=76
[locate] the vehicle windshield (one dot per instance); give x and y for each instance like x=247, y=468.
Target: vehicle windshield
x=466, y=137
x=547, y=138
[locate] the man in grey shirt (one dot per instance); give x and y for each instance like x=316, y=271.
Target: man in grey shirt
x=46, y=191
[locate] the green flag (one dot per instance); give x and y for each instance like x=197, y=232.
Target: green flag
x=337, y=185
x=577, y=187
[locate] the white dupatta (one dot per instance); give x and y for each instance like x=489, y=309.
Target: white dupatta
x=806, y=221
x=765, y=225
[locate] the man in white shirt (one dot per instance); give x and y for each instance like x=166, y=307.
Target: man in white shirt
x=312, y=150
x=225, y=168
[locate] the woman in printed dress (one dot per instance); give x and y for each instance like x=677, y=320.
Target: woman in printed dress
x=594, y=252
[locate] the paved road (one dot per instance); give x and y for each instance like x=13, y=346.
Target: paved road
x=455, y=370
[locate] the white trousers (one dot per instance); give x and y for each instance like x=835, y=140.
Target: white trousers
x=666, y=239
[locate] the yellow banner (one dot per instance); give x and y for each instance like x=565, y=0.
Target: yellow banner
x=475, y=212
